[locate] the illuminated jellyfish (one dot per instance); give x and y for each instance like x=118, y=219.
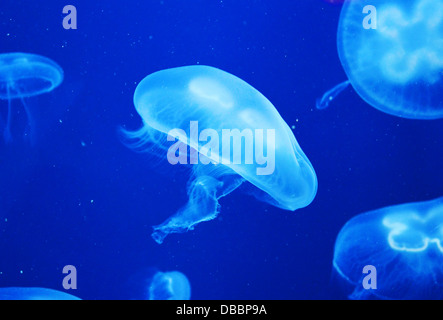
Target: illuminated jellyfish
x=392, y=53
x=171, y=285
x=23, y=293
x=405, y=245
x=225, y=109
x=24, y=75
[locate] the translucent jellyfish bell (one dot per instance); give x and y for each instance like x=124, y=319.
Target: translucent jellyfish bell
x=24, y=75
x=172, y=285
x=392, y=53
x=405, y=245
x=23, y=293
x=239, y=136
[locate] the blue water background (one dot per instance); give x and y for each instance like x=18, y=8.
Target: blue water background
x=76, y=195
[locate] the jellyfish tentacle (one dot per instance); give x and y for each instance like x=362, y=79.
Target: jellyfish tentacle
x=28, y=116
x=30, y=122
x=328, y=96
x=7, y=136
x=204, y=193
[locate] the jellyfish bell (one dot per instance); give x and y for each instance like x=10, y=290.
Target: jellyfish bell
x=24, y=75
x=234, y=129
x=34, y=293
x=404, y=243
x=392, y=54
x=27, y=75
x=172, y=285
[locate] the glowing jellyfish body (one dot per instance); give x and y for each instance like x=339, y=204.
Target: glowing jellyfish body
x=22, y=293
x=405, y=245
x=25, y=75
x=171, y=285
x=205, y=108
x=392, y=53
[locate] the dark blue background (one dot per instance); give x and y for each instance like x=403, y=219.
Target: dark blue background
x=364, y=159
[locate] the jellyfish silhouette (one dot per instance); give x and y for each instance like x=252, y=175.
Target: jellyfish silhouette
x=23, y=293
x=226, y=109
x=24, y=75
x=392, y=53
x=405, y=245
x=172, y=285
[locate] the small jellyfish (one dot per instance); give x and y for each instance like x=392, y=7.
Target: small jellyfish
x=405, y=245
x=171, y=285
x=232, y=134
x=392, y=53
x=23, y=293
x=24, y=75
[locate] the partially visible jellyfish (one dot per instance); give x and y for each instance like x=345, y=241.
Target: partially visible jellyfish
x=177, y=103
x=405, y=245
x=25, y=293
x=172, y=285
x=24, y=75
x=392, y=53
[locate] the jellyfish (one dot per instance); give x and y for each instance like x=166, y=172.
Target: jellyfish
x=172, y=285
x=404, y=246
x=228, y=133
x=30, y=293
x=24, y=75
x=392, y=54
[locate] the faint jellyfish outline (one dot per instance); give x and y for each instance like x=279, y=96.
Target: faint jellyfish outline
x=34, y=293
x=397, y=67
x=24, y=75
x=217, y=100
x=403, y=242
x=171, y=285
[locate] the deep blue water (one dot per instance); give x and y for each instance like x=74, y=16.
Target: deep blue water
x=76, y=195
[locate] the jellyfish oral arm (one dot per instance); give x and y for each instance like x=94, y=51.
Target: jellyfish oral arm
x=326, y=99
x=202, y=205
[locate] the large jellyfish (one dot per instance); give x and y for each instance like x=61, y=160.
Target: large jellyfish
x=404, y=244
x=392, y=53
x=25, y=293
x=172, y=285
x=24, y=75
x=242, y=138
